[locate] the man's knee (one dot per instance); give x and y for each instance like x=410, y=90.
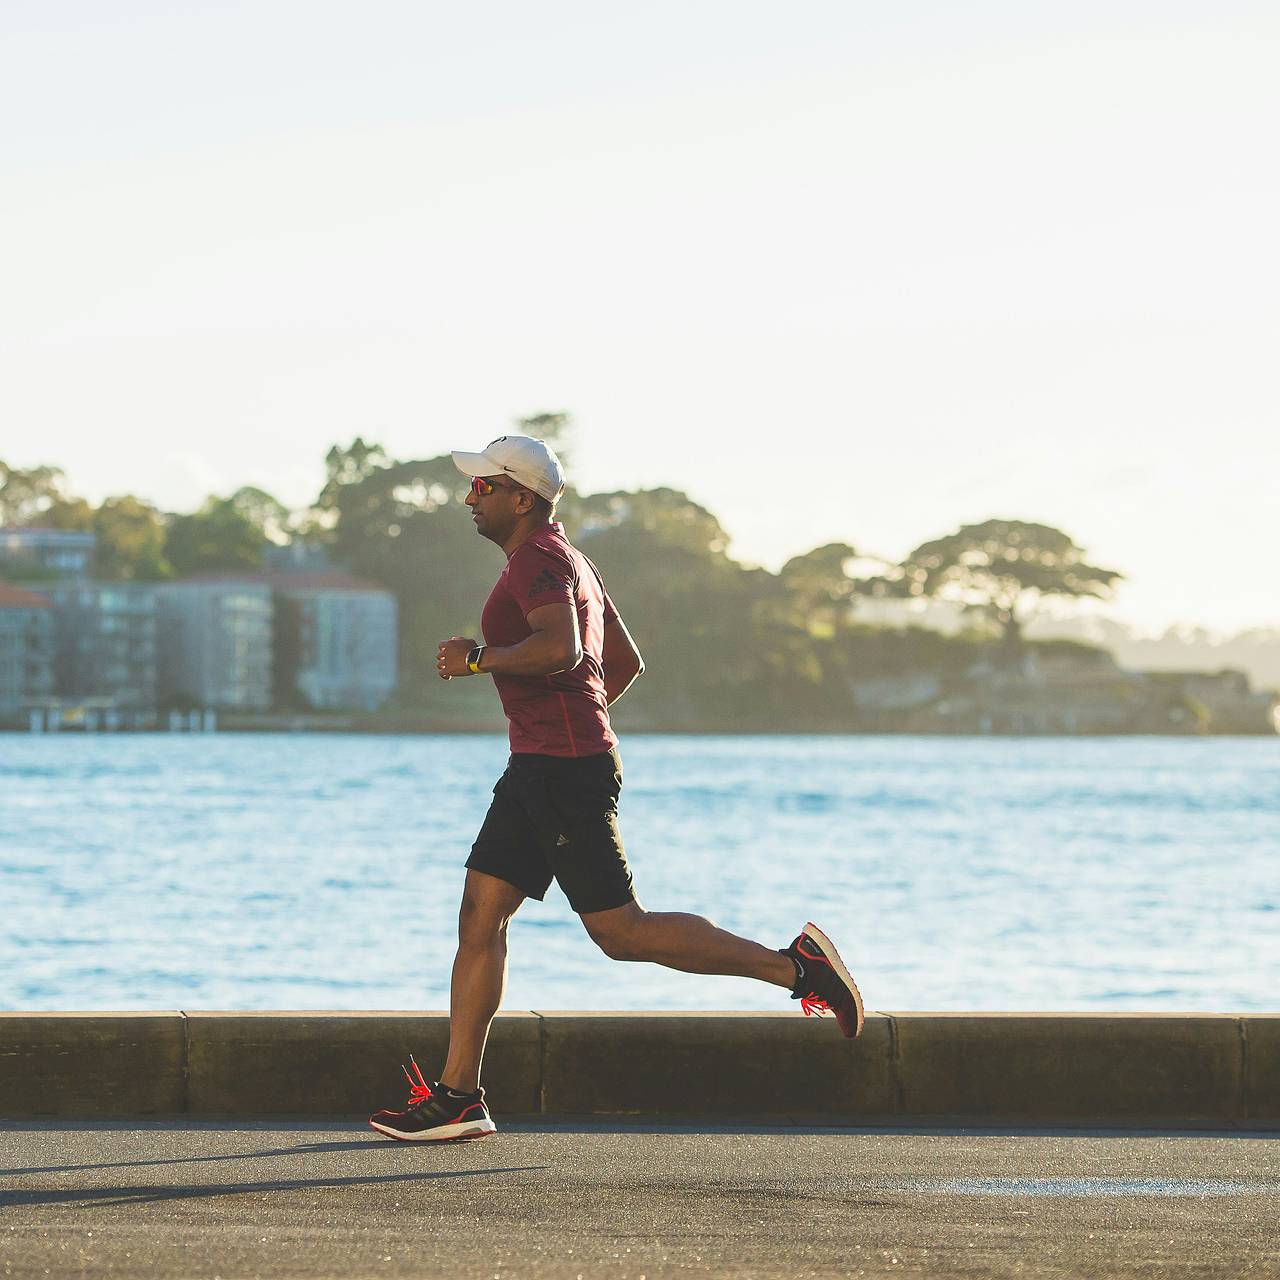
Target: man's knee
x=479, y=925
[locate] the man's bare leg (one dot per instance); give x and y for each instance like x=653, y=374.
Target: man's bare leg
x=479, y=975
x=681, y=941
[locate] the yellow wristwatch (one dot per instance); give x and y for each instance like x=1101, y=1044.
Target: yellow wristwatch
x=473, y=659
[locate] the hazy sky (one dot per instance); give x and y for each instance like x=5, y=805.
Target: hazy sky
x=839, y=270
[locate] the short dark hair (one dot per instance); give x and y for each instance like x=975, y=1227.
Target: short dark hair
x=542, y=506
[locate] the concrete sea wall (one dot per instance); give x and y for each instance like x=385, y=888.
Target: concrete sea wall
x=1199, y=1070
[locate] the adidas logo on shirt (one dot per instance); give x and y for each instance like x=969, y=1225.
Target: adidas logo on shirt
x=545, y=581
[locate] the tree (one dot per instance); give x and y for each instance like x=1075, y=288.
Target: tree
x=68, y=513
x=819, y=585
x=217, y=537
x=26, y=497
x=675, y=520
x=131, y=541
x=555, y=428
x=1000, y=569
x=348, y=466
x=344, y=467
x=267, y=514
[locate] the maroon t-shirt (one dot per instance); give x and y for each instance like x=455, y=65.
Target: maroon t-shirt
x=565, y=714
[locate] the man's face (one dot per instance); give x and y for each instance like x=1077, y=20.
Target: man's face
x=495, y=513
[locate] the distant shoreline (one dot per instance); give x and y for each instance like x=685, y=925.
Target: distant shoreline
x=322, y=725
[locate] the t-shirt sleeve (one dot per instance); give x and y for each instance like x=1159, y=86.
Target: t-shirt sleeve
x=536, y=576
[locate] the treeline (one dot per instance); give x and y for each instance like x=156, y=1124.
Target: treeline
x=726, y=644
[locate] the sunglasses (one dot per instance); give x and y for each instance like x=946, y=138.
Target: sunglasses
x=482, y=488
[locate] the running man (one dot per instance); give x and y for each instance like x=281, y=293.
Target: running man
x=560, y=655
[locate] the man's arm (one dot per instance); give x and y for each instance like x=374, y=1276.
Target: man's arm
x=555, y=645
x=622, y=660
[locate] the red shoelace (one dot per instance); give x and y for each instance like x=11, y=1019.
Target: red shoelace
x=812, y=1005
x=421, y=1090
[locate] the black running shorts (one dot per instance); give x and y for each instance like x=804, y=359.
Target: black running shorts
x=557, y=817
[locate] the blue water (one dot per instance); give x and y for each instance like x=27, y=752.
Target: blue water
x=301, y=872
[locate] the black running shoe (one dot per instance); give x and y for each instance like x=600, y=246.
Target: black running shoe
x=434, y=1113
x=823, y=984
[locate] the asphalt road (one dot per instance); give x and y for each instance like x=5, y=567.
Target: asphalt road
x=546, y=1199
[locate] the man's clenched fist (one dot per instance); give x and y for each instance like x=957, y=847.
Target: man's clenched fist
x=452, y=658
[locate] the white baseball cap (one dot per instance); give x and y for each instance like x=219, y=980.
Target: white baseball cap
x=532, y=463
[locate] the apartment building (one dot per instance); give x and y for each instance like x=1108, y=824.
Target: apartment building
x=104, y=642
x=215, y=636
x=26, y=651
x=336, y=640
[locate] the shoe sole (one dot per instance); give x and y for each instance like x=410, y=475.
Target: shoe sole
x=442, y=1133
x=827, y=947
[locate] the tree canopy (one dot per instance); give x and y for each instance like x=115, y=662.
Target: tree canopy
x=999, y=569
x=131, y=540
x=218, y=537
x=27, y=497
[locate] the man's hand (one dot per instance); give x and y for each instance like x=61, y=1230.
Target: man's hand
x=452, y=658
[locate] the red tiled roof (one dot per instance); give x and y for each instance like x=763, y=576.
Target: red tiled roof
x=12, y=597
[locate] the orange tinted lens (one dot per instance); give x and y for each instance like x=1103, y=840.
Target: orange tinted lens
x=481, y=487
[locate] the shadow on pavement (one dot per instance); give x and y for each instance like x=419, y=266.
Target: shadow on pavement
x=306, y=1148
x=100, y=1196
